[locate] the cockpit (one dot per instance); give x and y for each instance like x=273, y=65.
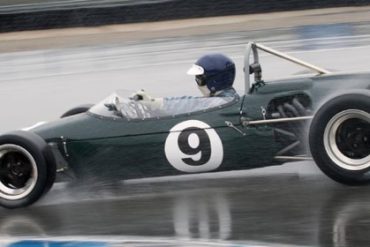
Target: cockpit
x=119, y=106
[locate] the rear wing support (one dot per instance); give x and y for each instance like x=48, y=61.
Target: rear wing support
x=252, y=48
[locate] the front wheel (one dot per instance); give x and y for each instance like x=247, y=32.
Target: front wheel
x=339, y=138
x=27, y=169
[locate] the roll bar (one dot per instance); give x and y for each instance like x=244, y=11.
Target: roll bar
x=254, y=47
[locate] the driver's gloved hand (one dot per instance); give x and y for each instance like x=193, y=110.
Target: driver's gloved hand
x=146, y=99
x=141, y=95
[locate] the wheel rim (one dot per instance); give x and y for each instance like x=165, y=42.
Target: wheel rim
x=347, y=139
x=18, y=172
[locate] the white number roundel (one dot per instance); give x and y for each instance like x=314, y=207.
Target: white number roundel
x=193, y=146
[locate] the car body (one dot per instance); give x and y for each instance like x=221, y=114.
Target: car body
x=120, y=138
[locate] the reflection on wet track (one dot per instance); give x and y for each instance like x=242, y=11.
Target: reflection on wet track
x=274, y=210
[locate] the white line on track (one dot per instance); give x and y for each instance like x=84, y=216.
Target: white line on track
x=115, y=241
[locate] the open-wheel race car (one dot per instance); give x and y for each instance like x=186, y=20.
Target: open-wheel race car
x=324, y=117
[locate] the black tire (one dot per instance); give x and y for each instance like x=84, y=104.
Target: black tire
x=77, y=110
x=33, y=158
x=339, y=138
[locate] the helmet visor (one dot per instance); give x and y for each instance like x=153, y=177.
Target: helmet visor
x=195, y=70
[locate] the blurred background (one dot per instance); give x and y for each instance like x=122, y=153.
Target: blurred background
x=57, y=54
x=42, y=14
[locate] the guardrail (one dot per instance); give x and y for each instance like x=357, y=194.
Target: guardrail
x=82, y=13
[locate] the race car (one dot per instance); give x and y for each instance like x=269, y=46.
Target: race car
x=322, y=117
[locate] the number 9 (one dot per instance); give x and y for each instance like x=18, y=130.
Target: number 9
x=193, y=146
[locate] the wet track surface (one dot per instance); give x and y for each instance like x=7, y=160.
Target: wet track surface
x=292, y=205
x=274, y=210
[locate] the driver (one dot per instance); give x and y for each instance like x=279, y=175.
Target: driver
x=214, y=74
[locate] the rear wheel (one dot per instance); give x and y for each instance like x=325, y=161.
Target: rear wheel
x=340, y=138
x=27, y=169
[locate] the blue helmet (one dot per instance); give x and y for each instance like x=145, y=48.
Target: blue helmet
x=216, y=71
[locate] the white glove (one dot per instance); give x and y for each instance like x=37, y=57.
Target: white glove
x=141, y=95
x=146, y=99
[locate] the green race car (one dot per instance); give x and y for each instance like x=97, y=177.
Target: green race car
x=324, y=117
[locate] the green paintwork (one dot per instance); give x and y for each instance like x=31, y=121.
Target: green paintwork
x=122, y=149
